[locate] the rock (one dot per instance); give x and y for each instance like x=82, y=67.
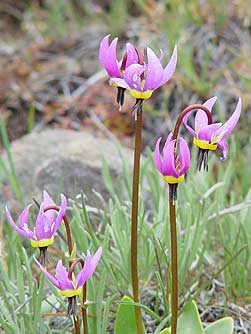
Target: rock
x=65, y=161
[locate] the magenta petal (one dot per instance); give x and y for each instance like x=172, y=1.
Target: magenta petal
x=23, y=221
x=85, y=272
x=185, y=122
x=168, y=165
x=26, y=234
x=207, y=132
x=170, y=67
x=168, y=140
x=111, y=64
x=89, y=267
x=61, y=214
x=131, y=55
x=223, y=146
x=43, y=227
x=201, y=119
x=132, y=76
x=119, y=82
x=48, y=201
x=157, y=156
x=228, y=127
x=62, y=276
x=184, y=156
x=155, y=71
x=48, y=275
x=104, y=44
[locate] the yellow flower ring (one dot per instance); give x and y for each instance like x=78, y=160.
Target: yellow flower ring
x=204, y=145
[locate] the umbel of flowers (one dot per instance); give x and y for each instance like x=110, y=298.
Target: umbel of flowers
x=42, y=236
x=208, y=136
x=141, y=73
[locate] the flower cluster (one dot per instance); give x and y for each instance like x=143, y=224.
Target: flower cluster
x=46, y=225
x=42, y=237
x=139, y=76
x=208, y=137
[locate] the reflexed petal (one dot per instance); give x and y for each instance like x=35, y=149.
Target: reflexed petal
x=47, y=274
x=119, y=82
x=201, y=119
x=132, y=55
x=43, y=227
x=62, y=276
x=132, y=76
x=23, y=221
x=48, y=201
x=90, y=265
x=104, y=44
x=168, y=139
x=111, y=64
x=223, y=146
x=185, y=122
x=170, y=67
x=157, y=156
x=184, y=156
x=155, y=71
x=61, y=214
x=16, y=228
x=168, y=165
x=228, y=127
x=207, y=132
x=85, y=272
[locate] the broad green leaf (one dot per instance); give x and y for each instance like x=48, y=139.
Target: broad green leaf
x=166, y=331
x=222, y=326
x=125, y=320
x=189, y=320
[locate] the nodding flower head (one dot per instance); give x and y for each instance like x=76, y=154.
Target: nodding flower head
x=66, y=282
x=115, y=68
x=172, y=167
x=46, y=224
x=211, y=137
x=142, y=78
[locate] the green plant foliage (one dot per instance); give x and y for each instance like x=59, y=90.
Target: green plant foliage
x=222, y=326
x=125, y=320
x=166, y=331
x=189, y=320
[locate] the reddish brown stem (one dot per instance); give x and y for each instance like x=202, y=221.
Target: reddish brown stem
x=84, y=313
x=174, y=266
x=172, y=213
x=134, y=218
x=67, y=227
x=185, y=111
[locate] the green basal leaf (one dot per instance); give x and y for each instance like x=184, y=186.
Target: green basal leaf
x=125, y=320
x=166, y=331
x=222, y=326
x=189, y=320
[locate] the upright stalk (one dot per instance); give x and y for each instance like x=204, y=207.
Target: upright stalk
x=70, y=248
x=172, y=214
x=134, y=218
x=67, y=228
x=174, y=262
x=84, y=314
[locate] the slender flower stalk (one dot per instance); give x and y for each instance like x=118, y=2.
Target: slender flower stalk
x=134, y=219
x=67, y=228
x=173, y=169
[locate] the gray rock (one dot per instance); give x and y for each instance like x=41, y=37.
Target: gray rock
x=64, y=161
